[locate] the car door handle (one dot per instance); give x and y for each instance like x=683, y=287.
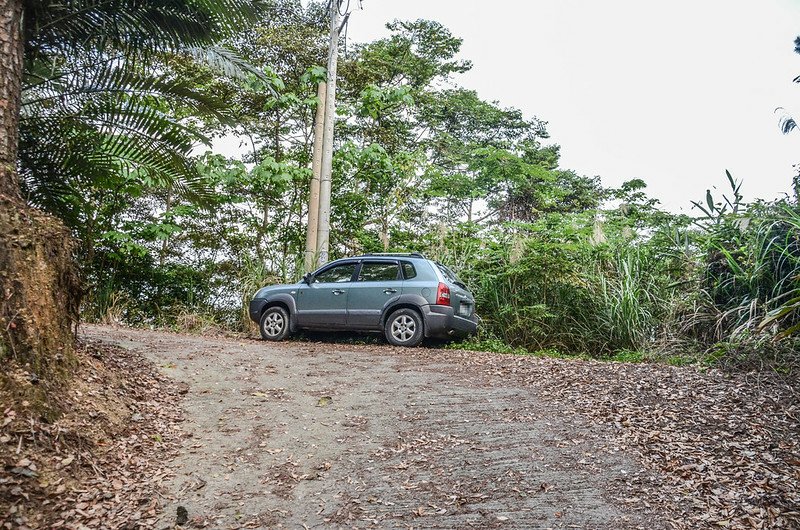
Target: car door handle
x=389, y=291
x=337, y=292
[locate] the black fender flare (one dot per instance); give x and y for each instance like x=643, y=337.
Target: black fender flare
x=414, y=301
x=287, y=300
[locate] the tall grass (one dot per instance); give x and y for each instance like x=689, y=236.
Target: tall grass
x=752, y=272
x=628, y=299
x=105, y=304
x=729, y=284
x=781, y=243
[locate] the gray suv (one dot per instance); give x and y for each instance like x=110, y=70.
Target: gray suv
x=405, y=296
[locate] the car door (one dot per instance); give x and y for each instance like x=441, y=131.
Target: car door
x=323, y=302
x=378, y=282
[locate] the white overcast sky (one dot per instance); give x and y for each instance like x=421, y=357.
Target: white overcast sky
x=671, y=92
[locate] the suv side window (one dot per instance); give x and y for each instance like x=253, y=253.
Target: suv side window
x=409, y=271
x=378, y=271
x=338, y=274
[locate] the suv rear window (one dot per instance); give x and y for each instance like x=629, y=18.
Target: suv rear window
x=450, y=276
x=409, y=271
x=378, y=272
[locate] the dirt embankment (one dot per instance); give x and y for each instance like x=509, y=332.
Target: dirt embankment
x=102, y=463
x=320, y=435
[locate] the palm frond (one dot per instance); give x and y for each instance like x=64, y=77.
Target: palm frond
x=79, y=81
x=227, y=62
x=100, y=126
x=99, y=108
x=133, y=26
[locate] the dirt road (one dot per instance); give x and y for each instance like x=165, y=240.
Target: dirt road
x=315, y=435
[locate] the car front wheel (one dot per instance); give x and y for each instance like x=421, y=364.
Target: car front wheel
x=274, y=324
x=404, y=328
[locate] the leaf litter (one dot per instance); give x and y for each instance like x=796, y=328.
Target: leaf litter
x=102, y=463
x=721, y=450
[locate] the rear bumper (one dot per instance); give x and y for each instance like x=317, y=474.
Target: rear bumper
x=442, y=323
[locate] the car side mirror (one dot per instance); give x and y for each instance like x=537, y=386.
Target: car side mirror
x=307, y=278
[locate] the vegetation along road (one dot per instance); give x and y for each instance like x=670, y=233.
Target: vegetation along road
x=323, y=435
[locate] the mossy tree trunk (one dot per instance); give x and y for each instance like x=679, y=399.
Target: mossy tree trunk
x=39, y=289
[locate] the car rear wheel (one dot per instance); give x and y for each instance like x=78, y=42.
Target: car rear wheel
x=404, y=328
x=274, y=324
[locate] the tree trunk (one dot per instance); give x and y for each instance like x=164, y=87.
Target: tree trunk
x=310, y=261
x=39, y=289
x=11, y=55
x=385, y=232
x=326, y=166
x=162, y=255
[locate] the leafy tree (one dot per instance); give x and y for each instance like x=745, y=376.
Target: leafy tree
x=464, y=137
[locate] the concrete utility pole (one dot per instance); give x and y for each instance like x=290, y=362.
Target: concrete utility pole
x=323, y=233
x=313, y=197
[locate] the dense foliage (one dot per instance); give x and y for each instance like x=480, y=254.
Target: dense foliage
x=558, y=261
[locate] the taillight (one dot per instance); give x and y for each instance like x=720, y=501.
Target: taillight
x=443, y=294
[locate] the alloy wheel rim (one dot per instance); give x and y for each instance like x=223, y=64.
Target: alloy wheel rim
x=273, y=324
x=403, y=328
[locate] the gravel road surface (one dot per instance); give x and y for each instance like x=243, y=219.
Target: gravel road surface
x=323, y=435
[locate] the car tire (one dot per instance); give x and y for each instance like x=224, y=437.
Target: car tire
x=274, y=324
x=404, y=328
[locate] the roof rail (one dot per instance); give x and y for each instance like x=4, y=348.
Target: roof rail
x=396, y=254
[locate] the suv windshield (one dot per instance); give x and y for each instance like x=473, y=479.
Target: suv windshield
x=450, y=276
